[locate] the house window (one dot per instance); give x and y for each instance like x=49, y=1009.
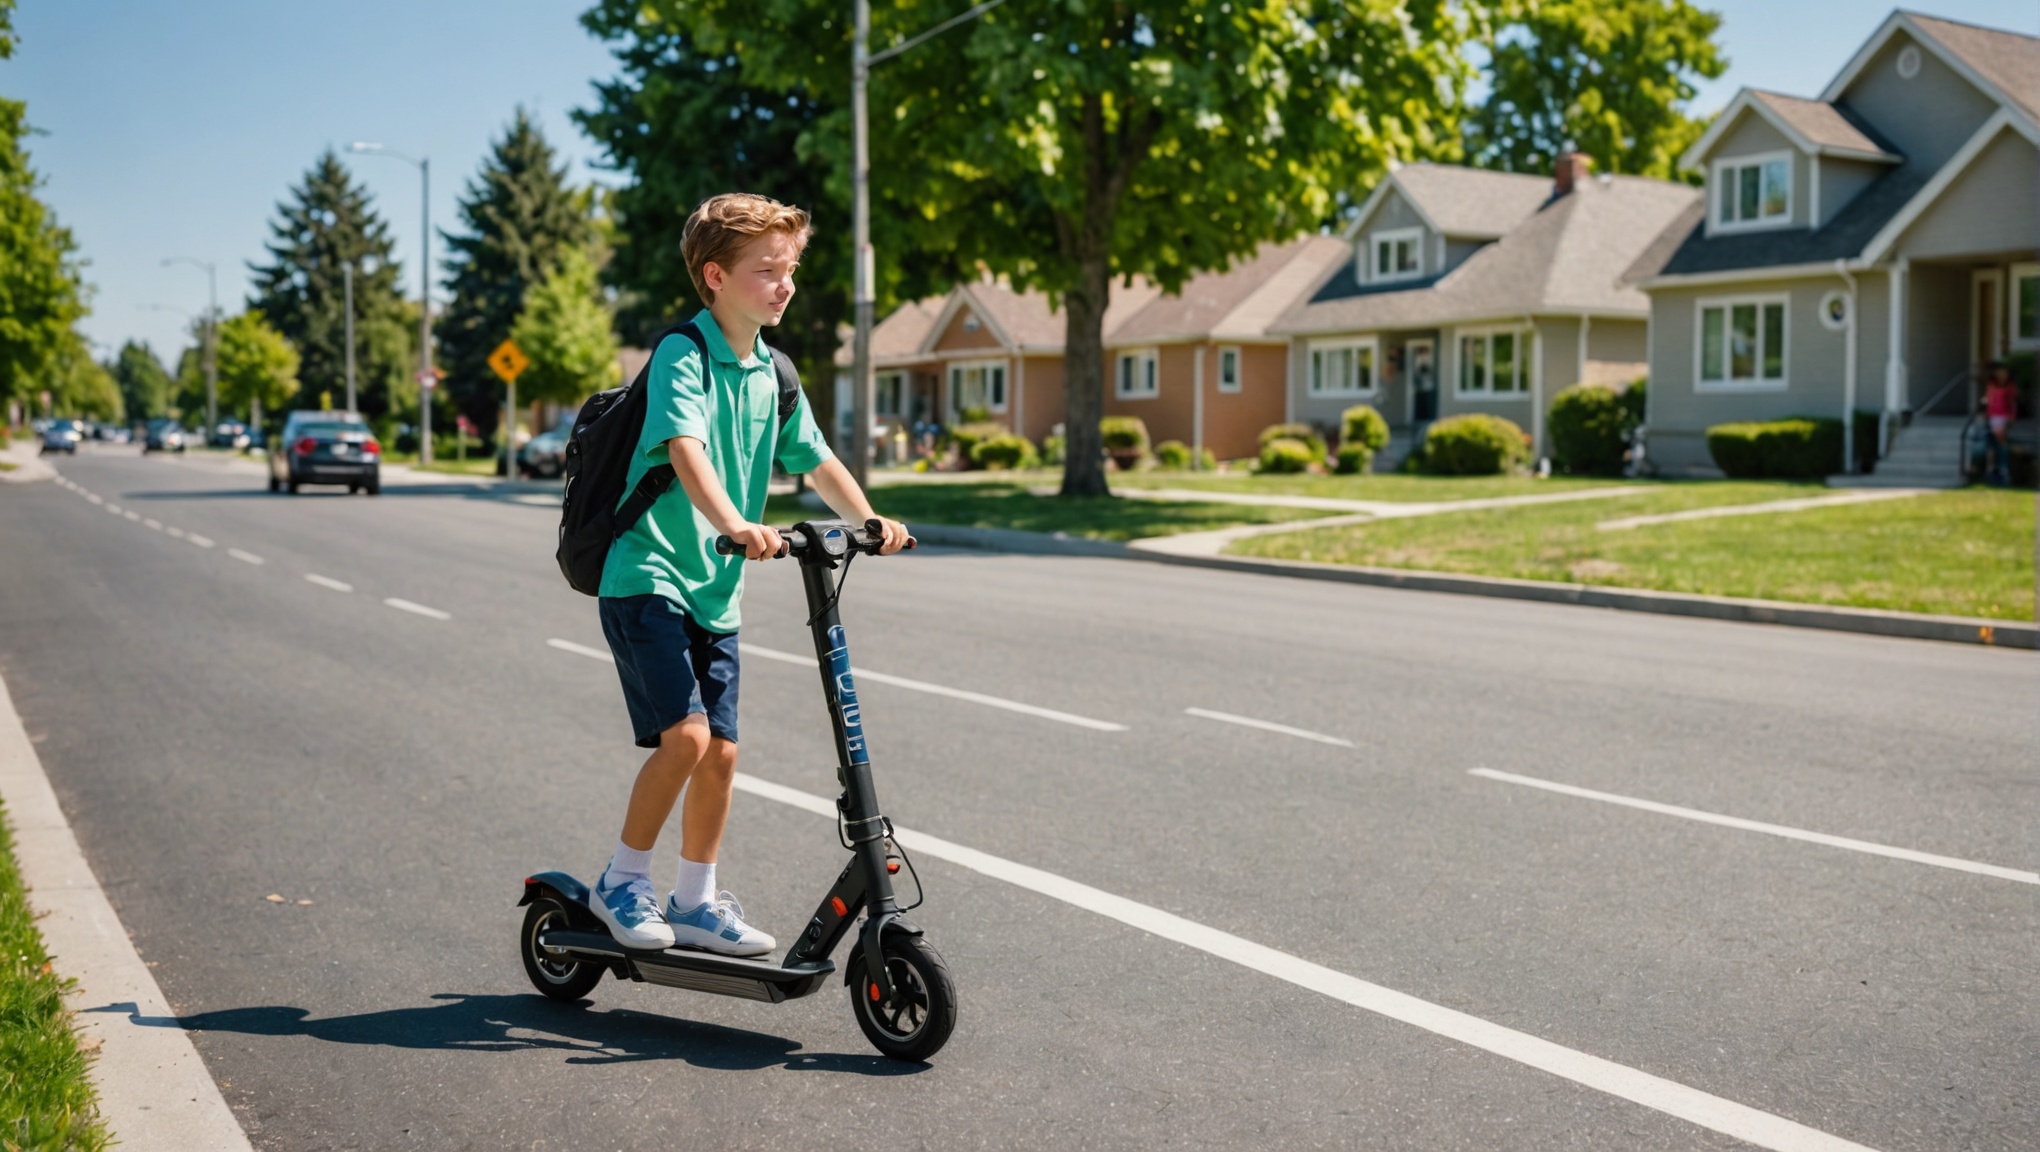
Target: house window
x=1139, y=375
x=890, y=386
x=1398, y=255
x=1495, y=362
x=1343, y=368
x=977, y=384
x=1742, y=344
x=1753, y=191
x=2026, y=305
x=1228, y=369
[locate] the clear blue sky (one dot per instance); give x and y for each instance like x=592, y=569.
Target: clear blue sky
x=174, y=129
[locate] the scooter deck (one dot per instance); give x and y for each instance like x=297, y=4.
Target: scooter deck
x=700, y=971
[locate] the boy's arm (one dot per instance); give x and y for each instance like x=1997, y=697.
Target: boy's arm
x=840, y=492
x=698, y=479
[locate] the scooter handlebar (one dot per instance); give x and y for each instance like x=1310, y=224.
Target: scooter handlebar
x=792, y=540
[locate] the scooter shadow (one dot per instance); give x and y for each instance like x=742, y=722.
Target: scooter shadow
x=521, y=1023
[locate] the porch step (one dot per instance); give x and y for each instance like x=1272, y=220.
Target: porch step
x=1401, y=442
x=1925, y=454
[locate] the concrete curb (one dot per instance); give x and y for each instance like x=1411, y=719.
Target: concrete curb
x=1868, y=621
x=154, y=1090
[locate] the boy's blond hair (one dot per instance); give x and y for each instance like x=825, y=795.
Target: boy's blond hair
x=722, y=225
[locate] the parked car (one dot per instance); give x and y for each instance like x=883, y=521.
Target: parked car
x=63, y=436
x=110, y=433
x=326, y=448
x=230, y=434
x=163, y=435
x=546, y=453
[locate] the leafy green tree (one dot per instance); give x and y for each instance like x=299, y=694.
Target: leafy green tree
x=1069, y=145
x=6, y=29
x=327, y=223
x=79, y=385
x=41, y=295
x=567, y=331
x=520, y=216
x=258, y=366
x=1608, y=78
x=146, y=389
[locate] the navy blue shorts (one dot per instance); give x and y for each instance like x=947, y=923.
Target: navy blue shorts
x=670, y=666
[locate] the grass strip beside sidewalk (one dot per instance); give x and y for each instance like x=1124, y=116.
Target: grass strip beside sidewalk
x=46, y=1100
x=1963, y=553
x=1001, y=504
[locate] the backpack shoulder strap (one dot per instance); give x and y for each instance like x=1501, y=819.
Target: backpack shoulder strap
x=659, y=477
x=789, y=383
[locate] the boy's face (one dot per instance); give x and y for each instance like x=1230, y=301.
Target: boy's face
x=759, y=283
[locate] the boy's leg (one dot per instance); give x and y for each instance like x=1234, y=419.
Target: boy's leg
x=708, y=799
x=658, y=785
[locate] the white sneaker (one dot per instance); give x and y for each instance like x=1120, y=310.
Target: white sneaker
x=631, y=914
x=717, y=926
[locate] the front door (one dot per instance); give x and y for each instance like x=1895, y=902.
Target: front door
x=1421, y=358
x=1986, y=342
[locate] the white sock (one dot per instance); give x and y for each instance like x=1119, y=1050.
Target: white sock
x=695, y=885
x=626, y=865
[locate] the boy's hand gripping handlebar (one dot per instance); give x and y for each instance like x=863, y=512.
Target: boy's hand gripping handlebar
x=834, y=537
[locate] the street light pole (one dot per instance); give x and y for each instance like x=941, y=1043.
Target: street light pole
x=425, y=377
x=212, y=321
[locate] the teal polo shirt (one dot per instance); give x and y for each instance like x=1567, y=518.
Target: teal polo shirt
x=731, y=406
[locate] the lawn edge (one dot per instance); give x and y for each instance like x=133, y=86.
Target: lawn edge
x=154, y=1091
x=2021, y=634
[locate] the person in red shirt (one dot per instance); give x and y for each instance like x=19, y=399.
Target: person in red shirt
x=2000, y=408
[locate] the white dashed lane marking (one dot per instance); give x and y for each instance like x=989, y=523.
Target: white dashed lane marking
x=201, y=541
x=419, y=609
x=943, y=690
x=244, y=557
x=1268, y=726
x=328, y=582
x=582, y=650
x=156, y=524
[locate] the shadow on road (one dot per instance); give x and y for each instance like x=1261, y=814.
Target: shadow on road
x=462, y=1023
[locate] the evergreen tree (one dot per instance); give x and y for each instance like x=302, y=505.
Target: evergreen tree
x=520, y=216
x=145, y=387
x=329, y=222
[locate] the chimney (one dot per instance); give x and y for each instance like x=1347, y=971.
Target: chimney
x=1568, y=172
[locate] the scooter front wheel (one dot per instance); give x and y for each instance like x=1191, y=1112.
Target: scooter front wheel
x=560, y=977
x=916, y=1022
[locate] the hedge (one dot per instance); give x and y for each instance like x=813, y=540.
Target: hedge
x=1362, y=425
x=1795, y=448
x=1353, y=456
x=967, y=437
x=1002, y=452
x=1286, y=454
x=1474, y=444
x=1590, y=426
x=1123, y=434
x=1301, y=433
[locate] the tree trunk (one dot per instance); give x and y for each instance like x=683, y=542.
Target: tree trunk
x=1084, y=378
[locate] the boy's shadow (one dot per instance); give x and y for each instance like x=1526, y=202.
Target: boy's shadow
x=464, y=1023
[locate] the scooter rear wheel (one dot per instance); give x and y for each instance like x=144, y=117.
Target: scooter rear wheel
x=916, y=1023
x=560, y=977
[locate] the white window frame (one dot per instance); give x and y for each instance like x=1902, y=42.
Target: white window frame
x=1388, y=238
x=1137, y=374
x=898, y=381
x=2019, y=274
x=1730, y=382
x=960, y=368
x=1524, y=374
x=1723, y=169
x=1229, y=356
x=1366, y=381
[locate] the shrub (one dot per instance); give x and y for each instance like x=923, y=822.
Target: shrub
x=1353, y=456
x=1590, y=427
x=1286, y=454
x=974, y=416
x=1173, y=454
x=1363, y=426
x=1002, y=452
x=1302, y=433
x=967, y=437
x=1474, y=444
x=1801, y=446
x=1123, y=434
x=1052, y=450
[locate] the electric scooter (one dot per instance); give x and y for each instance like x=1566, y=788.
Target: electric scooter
x=900, y=990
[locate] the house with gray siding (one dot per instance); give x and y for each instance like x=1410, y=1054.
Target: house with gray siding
x=1476, y=291
x=1862, y=251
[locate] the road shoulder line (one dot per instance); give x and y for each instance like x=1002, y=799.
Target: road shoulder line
x=154, y=1090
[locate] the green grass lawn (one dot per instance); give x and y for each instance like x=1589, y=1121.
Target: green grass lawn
x=1004, y=504
x=46, y=1102
x=472, y=466
x=1392, y=487
x=1966, y=553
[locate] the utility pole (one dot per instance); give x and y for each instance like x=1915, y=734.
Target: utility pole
x=211, y=337
x=347, y=278
x=426, y=379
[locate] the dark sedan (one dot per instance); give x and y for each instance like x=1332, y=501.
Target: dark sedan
x=63, y=436
x=163, y=435
x=326, y=452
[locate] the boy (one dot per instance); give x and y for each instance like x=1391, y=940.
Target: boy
x=669, y=602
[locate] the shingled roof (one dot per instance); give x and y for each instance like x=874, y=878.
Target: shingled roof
x=1824, y=125
x=1471, y=203
x=1238, y=303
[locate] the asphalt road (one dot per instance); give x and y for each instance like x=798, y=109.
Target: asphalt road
x=220, y=730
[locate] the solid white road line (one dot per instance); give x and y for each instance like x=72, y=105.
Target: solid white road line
x=1957, y=864
x=582, y=650
x=328, y=582
x=201, y=541
x=154, y=1091
x=1638, y=1087
x=942, y=690
x=420, y=609
x=244, y=557
x=1268, y=726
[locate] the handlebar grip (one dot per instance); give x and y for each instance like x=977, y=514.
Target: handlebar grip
x=876, y=530
x=724, y=546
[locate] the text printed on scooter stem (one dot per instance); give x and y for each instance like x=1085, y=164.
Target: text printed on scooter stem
x=846, y=696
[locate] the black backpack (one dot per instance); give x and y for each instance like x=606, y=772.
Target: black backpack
x=593, y=510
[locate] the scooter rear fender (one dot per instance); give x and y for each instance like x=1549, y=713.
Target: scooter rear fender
x=559, y=886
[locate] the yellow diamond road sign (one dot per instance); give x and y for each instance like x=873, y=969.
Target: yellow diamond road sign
x=509, y=361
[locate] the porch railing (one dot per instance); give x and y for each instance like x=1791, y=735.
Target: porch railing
x=1958, y=379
